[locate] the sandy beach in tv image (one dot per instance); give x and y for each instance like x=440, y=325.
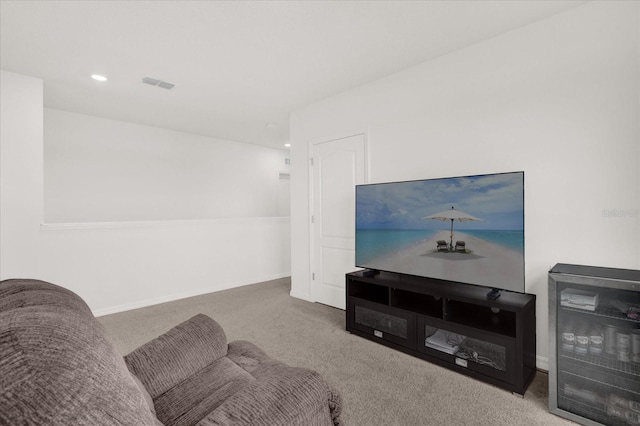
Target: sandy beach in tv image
x=483, y=263
x=468, y=229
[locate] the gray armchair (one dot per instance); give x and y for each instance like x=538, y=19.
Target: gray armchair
x=58, y=367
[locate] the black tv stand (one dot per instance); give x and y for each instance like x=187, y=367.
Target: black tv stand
x=406, y=313
x=493, y=294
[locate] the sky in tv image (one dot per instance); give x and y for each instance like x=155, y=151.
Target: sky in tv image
x=405, y=227
x=496, y=199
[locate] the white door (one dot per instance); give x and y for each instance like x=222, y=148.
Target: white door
x=337, y=166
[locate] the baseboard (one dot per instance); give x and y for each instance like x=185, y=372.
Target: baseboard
x=542, y=363
x=301, y=296
x=181, y=295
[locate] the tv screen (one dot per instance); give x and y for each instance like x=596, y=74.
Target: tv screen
x=468, y=229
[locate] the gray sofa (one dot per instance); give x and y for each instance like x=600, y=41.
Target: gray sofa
x=58, y=367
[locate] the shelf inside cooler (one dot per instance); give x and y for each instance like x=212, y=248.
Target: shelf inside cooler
x=604, y=312
x=596, y=412
x=603, y=362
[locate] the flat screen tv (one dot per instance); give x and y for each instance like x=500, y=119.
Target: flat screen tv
x=467, y=229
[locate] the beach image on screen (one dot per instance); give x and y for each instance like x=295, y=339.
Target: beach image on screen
x=466, y=229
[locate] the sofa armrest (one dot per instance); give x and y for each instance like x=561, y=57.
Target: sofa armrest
x=178, y=354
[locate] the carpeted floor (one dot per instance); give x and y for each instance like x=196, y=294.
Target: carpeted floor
x=380, y=386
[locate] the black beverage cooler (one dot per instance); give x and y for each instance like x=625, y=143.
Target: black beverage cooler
x=594, y=344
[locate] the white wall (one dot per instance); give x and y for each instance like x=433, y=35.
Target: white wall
x=116, y=266
x=99, y=170
x=557, y=99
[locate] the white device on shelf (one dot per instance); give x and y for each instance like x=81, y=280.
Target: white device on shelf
x=444, y=341
x=579, y=299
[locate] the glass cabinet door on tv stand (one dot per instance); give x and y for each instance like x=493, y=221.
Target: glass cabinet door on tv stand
x=594, y=344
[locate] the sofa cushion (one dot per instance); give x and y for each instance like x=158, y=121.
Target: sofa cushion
x=57, y=365
x=263, y=368
x=178, y=354
x=188, y=402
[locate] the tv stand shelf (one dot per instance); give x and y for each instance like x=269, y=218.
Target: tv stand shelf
x=495, y=339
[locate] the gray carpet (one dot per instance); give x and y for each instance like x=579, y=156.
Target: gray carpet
x=379, y=386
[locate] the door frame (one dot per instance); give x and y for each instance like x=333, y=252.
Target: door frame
x=312, y=212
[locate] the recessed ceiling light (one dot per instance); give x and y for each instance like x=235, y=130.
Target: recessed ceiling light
x=288, y=145
x=98, y=77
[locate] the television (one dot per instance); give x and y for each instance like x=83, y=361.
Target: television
x=467, y=229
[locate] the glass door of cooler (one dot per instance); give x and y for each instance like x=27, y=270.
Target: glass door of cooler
x=595, y=376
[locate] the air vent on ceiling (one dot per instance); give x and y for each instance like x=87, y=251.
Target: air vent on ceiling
x=157, y=83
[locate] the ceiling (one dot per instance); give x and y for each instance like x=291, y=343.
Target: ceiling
x=239, y=67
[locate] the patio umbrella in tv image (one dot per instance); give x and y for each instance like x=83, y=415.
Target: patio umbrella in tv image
x=452, y=214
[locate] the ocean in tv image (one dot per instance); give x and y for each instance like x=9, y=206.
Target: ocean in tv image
x=468, y=229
